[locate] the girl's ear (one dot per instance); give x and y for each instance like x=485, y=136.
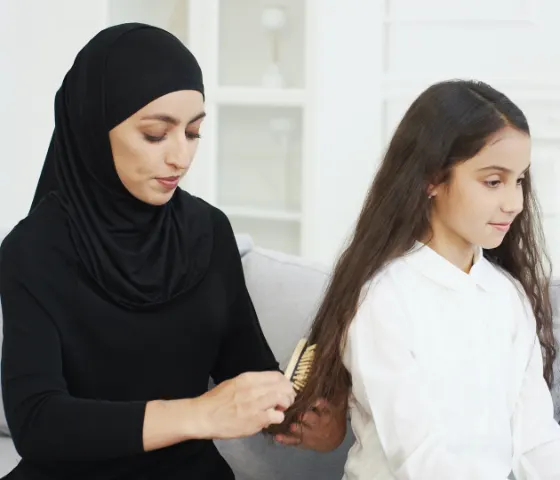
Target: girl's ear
x=432, y=191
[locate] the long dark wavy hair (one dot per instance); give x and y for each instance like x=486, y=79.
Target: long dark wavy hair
x=448, y=123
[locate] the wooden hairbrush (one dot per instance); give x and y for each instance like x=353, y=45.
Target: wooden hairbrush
x=297, y=373
x=300, y=364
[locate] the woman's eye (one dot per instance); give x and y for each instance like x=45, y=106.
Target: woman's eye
x=153, y=138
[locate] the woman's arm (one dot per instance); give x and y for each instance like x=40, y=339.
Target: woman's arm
x=46, y=423
x=236, y=408
x=49, y=424
x=386, y=375
x=246, y=349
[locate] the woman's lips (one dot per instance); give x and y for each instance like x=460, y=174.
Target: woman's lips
x=168, y=182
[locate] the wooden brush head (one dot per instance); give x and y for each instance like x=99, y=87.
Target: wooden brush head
x=300, y=364
x=296, y=371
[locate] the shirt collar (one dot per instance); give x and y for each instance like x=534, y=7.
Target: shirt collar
x=431, y=264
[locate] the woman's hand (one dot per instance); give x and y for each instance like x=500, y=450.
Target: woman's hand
x=242, y=406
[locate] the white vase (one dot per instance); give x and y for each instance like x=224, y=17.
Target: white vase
x=272, y=78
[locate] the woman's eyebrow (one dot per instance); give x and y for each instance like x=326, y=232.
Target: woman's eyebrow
x=163, y=117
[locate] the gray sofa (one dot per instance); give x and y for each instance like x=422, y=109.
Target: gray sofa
x=285, y=291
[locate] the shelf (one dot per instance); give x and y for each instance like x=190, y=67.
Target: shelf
x=259, y=157
x=475, y=12
x=170, y=15
x=262, y=214
x=248, y=48
x=445, y=21
x=241, y=96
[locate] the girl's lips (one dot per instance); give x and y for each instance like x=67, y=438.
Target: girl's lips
x=502, y=227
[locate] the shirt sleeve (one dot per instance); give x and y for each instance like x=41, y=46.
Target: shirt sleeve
x=244, y=347
x=387, y=377
x=536, y=432
x=45, y=421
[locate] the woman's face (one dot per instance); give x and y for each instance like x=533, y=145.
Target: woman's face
x=154, y=148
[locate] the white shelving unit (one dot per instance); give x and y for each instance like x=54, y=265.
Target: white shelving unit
x=249, y=96
x=172, y=15
x=250, y=162
x=252, y=165
x=288, y=162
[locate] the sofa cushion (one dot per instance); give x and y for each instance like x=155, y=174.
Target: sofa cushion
x=8, y=456
x=555, y=300
x=4, y=431
x=244, y=243
x=286, y=291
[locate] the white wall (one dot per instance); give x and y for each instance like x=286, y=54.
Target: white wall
x=168, y=14
x=38, y=42
x=510, y=44
x=380, y=54
x=345, y=122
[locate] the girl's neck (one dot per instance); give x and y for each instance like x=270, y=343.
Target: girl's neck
x=461, y=258
x=452, y=247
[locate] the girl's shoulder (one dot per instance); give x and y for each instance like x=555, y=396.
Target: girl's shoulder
x=506, y=284
x=404, y=282
x=512, y=297
x=386, y=287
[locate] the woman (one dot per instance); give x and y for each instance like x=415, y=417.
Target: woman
x=438, y=322
x=122, y=294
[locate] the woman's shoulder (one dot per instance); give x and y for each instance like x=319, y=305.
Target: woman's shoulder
x=40, y=236
x=220, y=221
x=218, y=235
x=223, y=235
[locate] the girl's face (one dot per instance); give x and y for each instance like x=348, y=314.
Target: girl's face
x=154, y=148
x=483, y=195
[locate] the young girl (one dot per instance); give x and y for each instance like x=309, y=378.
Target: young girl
x=437, y=321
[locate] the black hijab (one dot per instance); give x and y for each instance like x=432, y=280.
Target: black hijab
x=141, y=255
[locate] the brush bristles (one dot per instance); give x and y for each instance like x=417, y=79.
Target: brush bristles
x=301, y=372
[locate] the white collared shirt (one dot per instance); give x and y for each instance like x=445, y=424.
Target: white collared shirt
x=447, y=377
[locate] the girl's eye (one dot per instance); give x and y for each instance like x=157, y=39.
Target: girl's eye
x=192, y=136
x=493, y=183
x=521, y=181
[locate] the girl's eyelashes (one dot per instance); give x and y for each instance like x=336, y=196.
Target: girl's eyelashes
x=496, y=183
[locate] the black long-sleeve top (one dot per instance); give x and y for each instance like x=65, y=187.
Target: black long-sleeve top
x=78, y=370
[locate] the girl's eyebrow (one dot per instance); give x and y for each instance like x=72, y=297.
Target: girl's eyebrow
x=502, y=169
